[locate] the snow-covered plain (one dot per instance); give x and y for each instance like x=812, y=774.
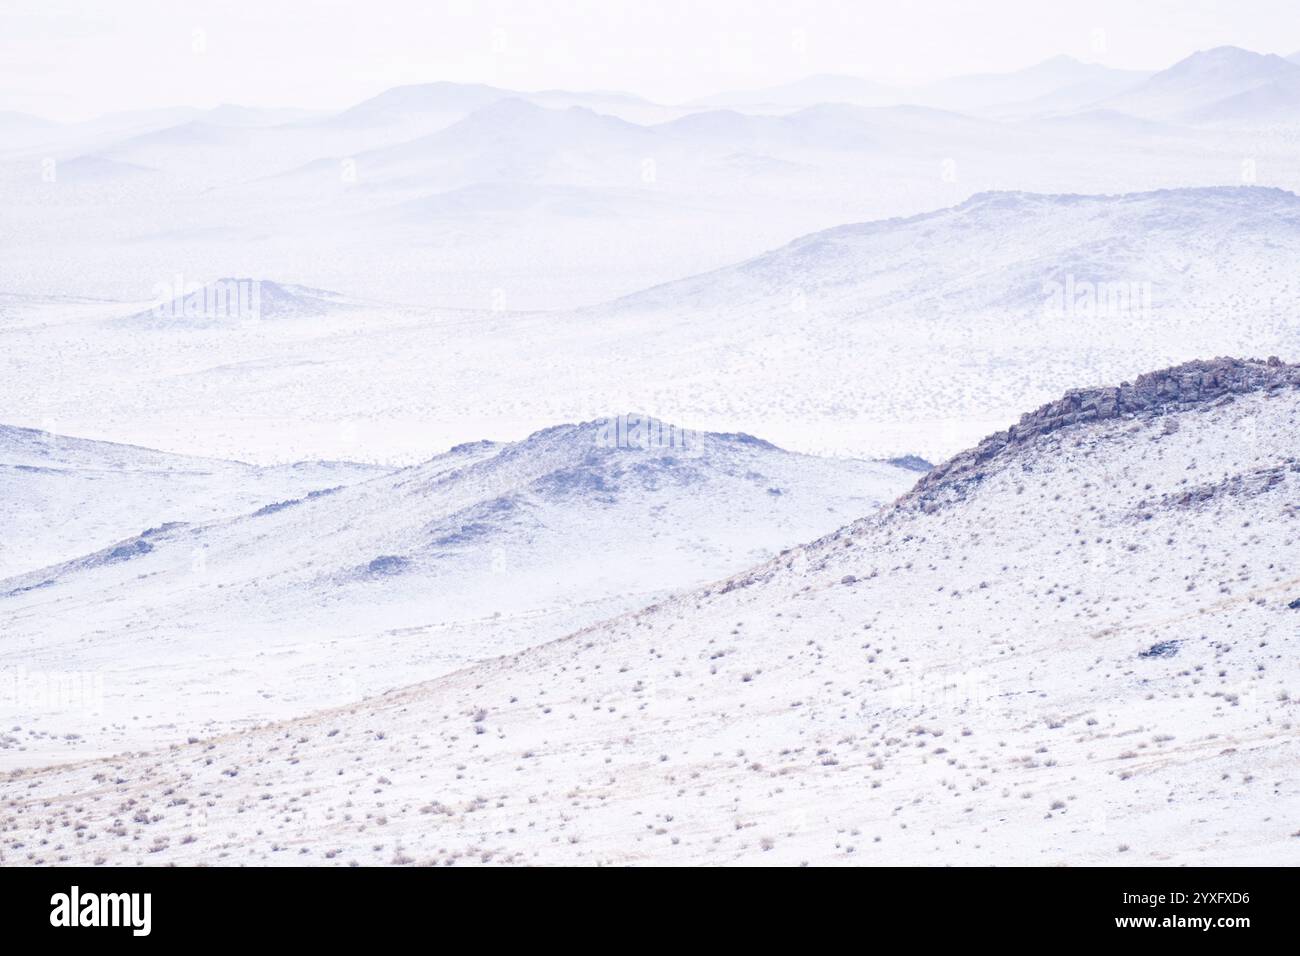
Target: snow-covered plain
x=914, y=335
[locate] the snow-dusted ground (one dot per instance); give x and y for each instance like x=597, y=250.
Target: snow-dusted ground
x=198, y=625
x=1075, y=652
x=300, y=630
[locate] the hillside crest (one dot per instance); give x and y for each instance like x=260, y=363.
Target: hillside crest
x=1173, y=389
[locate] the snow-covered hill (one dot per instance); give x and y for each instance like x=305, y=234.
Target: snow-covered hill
x=426, y=107
x=1072, y=645
x=62, y=497
x=510, y=140
x=483, y=550
x=1274, y=103
x=1203, y=84
x=962, y=313
x=434, y=103
x=1026, y=240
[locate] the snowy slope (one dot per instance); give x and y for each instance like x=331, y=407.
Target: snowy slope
x=1195, y=84
x=1274, y=103
x=61, y=497
x=1073, y=645
x=435, y=103
x=965, y=312
x=483, y=550
x=426, y=107
x=1025, y=240
x=14, y=122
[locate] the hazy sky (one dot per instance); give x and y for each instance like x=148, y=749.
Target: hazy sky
x=71, y=59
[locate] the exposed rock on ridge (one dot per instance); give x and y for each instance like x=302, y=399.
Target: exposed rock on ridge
x=1154, y=393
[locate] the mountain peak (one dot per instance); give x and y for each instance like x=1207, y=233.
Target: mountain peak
x=1199, y=81
x=401, y=103
x=1229, y=63
x=518, y=116
x=1226, y=54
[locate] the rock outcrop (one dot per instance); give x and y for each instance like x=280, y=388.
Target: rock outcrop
x=1172, y=389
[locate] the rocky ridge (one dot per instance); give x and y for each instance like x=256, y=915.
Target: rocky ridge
x=1153, y=393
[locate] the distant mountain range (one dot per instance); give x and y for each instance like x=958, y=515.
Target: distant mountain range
x=1058, y=85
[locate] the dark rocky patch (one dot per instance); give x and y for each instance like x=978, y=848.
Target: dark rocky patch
x=387, y=564
x=129, y=550
x=1162, y=649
